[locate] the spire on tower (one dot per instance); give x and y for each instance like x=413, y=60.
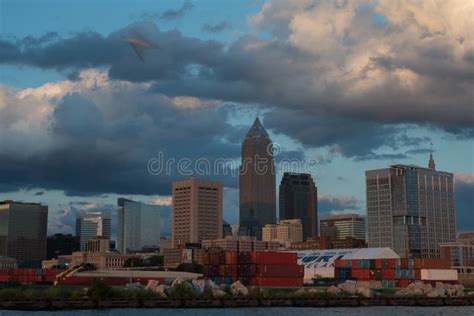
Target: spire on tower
x=431, y=163
x=257, y=129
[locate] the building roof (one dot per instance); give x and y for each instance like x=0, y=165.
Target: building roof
x=324, y=259
x=401, y=166
x=372, y=253
x=257, y=129
x=6, y=202
x=342, y=216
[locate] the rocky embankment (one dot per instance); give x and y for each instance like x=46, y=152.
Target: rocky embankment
x=206, y=294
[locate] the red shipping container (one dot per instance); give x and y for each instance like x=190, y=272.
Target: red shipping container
x=243, y=258
x=4, y=278
x=231, y=257
x=231, y=270
x=391, y=263
x=292, y=270
x=273, y=257
x=357, y=274
x=247, y=270
x=404, y=263
x=388, y=274
x=378, y=263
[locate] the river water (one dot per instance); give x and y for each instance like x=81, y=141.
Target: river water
x=293, y=311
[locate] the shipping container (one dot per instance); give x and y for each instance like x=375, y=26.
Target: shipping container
x=272, y=257
x=243, y=257
x=439, y=274
x=378, y=263
x=292, y=270
x=231, y=257
x=432, y=263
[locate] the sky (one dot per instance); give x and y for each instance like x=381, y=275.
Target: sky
x=341, y=87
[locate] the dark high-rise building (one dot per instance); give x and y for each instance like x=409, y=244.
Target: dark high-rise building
x=23, y=228
x=60, y=244
x=299, y=200
x=257, y=182
x=410, y=209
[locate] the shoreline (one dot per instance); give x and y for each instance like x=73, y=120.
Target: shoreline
x=82, y=304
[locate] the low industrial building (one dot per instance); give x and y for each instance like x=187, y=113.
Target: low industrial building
x=101, y=260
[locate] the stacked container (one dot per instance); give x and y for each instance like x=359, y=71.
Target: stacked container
x=392, y=272
x=28, y=276
x=255, y=268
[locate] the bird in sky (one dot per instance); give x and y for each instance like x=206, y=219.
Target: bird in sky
x=139, y=44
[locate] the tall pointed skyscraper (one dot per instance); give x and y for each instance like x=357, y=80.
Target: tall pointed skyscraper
x=257, y=182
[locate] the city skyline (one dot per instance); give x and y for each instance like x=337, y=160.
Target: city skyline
x=88, y=123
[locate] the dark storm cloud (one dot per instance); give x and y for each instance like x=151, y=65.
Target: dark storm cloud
x=290, y=81
x=105, y=146
x=216, y=28
x=464, y=201
x=350, y=137
x=178, y=13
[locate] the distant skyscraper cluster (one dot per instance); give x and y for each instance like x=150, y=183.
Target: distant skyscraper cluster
x=409, y=209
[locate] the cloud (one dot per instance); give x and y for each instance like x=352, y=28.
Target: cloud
x=464, y=178
x=362, y=87
x=96, y=135
x=216, y=28
x=172, y=14
x=162, y=201
x=330, y=204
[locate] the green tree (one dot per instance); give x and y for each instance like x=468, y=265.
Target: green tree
x=99, y=290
